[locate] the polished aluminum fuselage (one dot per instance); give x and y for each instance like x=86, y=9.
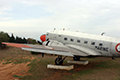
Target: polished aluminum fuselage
x=106, y=46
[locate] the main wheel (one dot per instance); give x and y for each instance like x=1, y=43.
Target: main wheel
x=58, y=61
x=76, y=58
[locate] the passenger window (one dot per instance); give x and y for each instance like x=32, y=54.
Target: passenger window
x=78, y=41
x=71, y=40
x=65, y=38
x=100, y=44
x=85, y=42
x=93, y=43
x=59, y=35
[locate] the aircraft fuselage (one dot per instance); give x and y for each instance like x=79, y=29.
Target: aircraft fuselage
x=106, y=46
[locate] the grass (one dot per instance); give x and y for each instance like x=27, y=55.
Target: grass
x=7, y=62
x=21, y=60
x=97, y=69
x=16, y=60
x=38, y=69
x=17, y=76
x=78, y=74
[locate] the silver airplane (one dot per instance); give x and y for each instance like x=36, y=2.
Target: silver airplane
x=74, y=44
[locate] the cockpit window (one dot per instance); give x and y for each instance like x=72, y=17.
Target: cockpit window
x=47, y=34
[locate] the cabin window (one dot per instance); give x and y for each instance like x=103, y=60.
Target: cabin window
x=93, y=43
x=85, y=42
x=65, y=38
x=59, y=35
x=78, y=41
x=100, y=44
x=71, y=39
x=95, y=46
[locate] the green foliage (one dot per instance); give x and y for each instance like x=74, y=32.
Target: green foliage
x=12, y=38
x=20, y=40
x=19, y=61
x=7, y=62
x=31, y=41
x=35, y=53
x=4, y=37
x=24, y=40
x=17, y=76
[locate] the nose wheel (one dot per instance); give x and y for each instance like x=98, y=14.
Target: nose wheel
x=59, y=60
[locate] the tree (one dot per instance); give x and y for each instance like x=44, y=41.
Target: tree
x=20, y=40
x=4, y=37
x=31, y=41
x=24, y=40
x=12, y=38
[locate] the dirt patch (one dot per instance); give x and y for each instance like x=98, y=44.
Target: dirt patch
x=97, y=69
x=9, y=71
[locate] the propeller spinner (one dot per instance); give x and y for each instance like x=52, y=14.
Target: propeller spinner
x=43, y=38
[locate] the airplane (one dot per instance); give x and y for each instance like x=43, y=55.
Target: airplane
x=73, y=44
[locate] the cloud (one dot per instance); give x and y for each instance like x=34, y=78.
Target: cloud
x=88, y=16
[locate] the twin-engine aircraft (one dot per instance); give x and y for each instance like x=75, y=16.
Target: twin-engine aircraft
x=74, y=44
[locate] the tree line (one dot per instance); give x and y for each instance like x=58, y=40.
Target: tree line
x=5, y=37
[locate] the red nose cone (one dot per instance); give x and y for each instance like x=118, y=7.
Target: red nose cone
x=43, y=38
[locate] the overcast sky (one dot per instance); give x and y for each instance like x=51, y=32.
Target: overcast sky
x=31, y=18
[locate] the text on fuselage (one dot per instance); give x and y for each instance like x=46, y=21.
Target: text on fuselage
x=101, y=48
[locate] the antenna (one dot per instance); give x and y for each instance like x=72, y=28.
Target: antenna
x=102, y=34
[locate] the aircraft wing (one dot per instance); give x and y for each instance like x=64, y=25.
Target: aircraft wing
x=41, y=49
x=49, y=51
x=66, y=50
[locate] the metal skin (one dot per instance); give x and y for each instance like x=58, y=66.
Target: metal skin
x=102, y=45
x=74, y=44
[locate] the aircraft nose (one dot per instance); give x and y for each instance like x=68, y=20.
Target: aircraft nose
x=43, y=38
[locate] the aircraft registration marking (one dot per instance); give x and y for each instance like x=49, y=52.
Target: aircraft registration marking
x=101, y=48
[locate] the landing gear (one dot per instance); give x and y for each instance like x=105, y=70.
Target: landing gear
x=113, y=58
x=59, y=60
x=76, y=58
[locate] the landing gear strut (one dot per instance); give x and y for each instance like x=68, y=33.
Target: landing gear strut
x=59, y=60
x=76, y=58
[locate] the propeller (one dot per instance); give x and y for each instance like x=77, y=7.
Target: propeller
x=43, y=39
x=39, y=42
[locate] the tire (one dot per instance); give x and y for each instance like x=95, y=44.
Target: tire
x=76, y=58
x=58, y=61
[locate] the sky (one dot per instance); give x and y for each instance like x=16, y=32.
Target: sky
x=32, y=18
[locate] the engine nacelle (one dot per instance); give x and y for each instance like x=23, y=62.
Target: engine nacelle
x=53, y=43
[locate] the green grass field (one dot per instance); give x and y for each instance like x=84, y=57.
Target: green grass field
x=100, y=68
